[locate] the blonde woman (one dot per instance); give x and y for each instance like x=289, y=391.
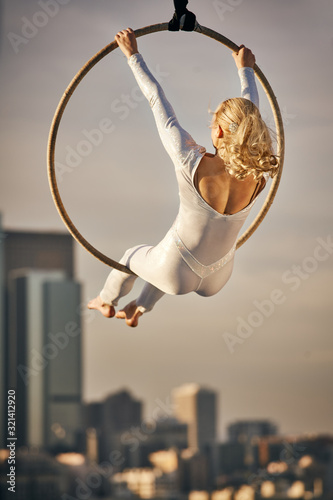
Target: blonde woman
x=217, y=192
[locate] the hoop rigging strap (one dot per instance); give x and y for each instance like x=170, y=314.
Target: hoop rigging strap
x=74, y=84
x=181, y=10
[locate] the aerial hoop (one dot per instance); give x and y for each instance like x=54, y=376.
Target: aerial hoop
x=70, y=90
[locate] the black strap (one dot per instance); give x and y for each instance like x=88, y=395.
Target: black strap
x=180, y=10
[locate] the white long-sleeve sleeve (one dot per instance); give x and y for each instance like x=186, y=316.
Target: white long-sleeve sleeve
x=178, y=143
x=248, y=85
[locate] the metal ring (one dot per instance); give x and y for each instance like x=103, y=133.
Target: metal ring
x=69, y=92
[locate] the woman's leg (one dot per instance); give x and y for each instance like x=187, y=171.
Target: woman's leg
x=116, y=286
x=144, y=303
x=119, y=284
x=148, y=297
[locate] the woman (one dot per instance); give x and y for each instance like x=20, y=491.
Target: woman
x=217, y=192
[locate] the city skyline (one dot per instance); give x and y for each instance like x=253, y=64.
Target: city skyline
x=264, y=343
x=28, y=258
x=165, y=410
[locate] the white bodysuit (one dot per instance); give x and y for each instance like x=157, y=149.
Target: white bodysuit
x=197, y=253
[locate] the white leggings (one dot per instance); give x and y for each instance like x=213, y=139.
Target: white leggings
x=171, y=271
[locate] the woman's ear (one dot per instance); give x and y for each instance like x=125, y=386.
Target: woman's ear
x=219, y=132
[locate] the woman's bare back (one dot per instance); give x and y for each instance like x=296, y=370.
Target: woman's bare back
x=223, y=192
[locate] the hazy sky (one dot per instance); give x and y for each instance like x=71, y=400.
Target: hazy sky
x=124, y=193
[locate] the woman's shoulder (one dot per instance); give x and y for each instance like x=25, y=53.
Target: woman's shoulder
x=211, y=166
x=223, y=191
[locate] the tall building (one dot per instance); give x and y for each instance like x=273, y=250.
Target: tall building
x=3, y=404
x=121, y=412
x=244, y=431
x=38, y=250
x=233, y=456
x=196, y=406
x=118, y=422
x=166, y=434
x=245, y=434
x=40, y=337
x=45, y=357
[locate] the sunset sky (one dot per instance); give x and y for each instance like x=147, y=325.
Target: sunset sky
x=123, y=192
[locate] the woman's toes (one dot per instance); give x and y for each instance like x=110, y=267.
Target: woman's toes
x=121, y=315
x=130, y=313
x=97, y=303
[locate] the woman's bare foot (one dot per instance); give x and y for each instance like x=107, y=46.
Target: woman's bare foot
x=97, y=303
x=130, y=314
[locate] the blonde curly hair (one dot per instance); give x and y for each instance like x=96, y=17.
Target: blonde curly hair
x=246, y=146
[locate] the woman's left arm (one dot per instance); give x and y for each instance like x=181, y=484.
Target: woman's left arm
x=178, y=143
x=248, y=85
x=245, y=61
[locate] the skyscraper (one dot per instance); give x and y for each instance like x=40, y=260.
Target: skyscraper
x=38, y=250
x=118, y=419
x=121, y=411
x=40, y=338
x=196, y=406
x=243, y=431
x=245, y=434
x=3, y=403
x=45, y=357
